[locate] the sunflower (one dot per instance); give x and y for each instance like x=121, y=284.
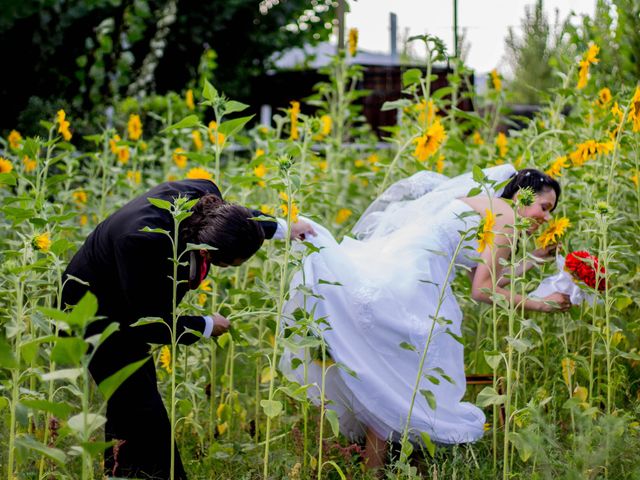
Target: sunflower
x=495, y=80
x=556, y=167
x=634, y=110
x=197, y=139
x=15, y=139
x=294, y=211
x=343, y=215
x=429, y=143
x=165, y=358
x=568, y=369
x=29, y=164
x=199, y=173
x=486, y=235
x=134, y=176
x=42, y=242
x=179, y=158
x=556, y=229
x=63, y=125
x=189, y=100
x=590, y=57
x=134, y=127
x=353, y=41
x=215, y=137
x=5, y=165
x=502, y=144
x=295, y=111
x=325, y=125
x=604, y=97
x=80, y=197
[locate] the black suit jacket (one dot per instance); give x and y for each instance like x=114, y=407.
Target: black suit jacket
x=129, y=270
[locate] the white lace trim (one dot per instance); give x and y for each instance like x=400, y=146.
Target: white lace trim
x=363, y=297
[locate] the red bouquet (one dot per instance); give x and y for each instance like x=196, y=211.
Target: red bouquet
x=585, y=267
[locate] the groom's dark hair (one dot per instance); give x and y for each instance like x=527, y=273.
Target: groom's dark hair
x=225, y=226
x=533, y=179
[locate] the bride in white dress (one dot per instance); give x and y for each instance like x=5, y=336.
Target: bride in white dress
x=376, y=297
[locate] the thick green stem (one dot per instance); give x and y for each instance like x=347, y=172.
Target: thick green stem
x=322, y=408
x=212, y=368
x=383, y=185
x=52, y=367
x=174, y=326
x=509, y=362
x=15, y=375
x=105, y=177
x=87, y=469
x=280, y=305
x=405, y=432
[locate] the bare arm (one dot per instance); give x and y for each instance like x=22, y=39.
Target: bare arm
x=482, y=289
x=482, y=284
x=541, y=255
x=520, y=269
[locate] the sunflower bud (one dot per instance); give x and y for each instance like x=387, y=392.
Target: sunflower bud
x=285, y=162
x=42, y=242
x=526, y=197
x=603, y=208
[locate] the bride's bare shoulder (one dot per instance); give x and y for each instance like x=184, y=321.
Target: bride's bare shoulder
x=481, y=203
x=500, y=208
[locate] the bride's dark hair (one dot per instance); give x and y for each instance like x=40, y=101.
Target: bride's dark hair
x=533, y=179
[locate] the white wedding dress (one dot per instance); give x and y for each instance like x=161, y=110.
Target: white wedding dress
x=378, y=296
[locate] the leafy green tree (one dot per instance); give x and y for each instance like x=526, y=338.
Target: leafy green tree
x=628, y=39
x=614, y=28
x=529, y=56
x=86, y=54
x=543, y=48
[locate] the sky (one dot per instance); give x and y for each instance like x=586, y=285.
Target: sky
x=486, y=22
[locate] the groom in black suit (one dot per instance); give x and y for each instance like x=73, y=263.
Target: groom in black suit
x=128, y=271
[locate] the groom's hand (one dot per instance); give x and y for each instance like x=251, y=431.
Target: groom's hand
x=220, y=325
x=301, y=229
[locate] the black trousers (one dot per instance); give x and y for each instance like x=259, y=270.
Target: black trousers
x=136, y=416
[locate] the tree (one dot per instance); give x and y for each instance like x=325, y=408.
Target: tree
x=618, y=37
x=85, y=54
x=529, y=56
x=628, y=39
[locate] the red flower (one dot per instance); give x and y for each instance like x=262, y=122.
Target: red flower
x=585, y=267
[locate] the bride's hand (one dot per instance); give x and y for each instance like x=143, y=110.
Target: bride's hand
x=547, y=252
x=562, y=300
